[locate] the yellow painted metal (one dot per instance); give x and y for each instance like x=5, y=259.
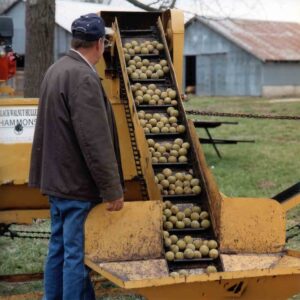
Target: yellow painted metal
x=110, y=82
x=275, y=282
x=134, y=233
x=14, y=163
x=21, y=197
x=254, y=225
x=127, y=158
x=19, y=101
x=291, y=202
x=264, y=288
x=173, y=21
x=19, y=204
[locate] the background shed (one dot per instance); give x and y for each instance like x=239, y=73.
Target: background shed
x=233, y=57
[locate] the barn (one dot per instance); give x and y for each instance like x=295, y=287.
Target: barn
x=234, y=57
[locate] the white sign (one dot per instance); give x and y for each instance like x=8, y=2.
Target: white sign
x=17, y=123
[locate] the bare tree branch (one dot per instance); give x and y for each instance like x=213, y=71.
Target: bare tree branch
x=155, y=2
x=164, y=4
x=173, y=4
x=141, y=5
x=167, y=4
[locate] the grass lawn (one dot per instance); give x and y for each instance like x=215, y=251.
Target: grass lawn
x=260, y=169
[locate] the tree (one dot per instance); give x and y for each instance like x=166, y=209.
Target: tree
x=39, y=50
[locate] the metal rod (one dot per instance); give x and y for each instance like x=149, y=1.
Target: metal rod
x=213, y=143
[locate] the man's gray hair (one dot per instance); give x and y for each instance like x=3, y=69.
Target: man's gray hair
x=78, y=43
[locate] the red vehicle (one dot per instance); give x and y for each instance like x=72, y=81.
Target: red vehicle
x=7, y=56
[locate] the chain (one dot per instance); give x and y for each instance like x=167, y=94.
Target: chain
x=16, y=234
x=136, y=154
x=24, y=234
x=293, y=227
x=241, y=115
x=291, y=233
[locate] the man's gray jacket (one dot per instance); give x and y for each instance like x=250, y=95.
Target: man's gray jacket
x=75, y=151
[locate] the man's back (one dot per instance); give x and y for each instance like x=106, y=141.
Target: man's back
x=71, y=127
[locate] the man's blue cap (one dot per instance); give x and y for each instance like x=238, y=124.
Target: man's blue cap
x=89, y=27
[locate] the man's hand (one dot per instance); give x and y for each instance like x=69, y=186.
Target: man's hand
x=115, y=205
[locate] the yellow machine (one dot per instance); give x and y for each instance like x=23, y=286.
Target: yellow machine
x=127, y=247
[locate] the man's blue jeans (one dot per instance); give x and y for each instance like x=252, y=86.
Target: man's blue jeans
x=66, y=277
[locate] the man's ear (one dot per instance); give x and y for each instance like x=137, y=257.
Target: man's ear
x=98, y=44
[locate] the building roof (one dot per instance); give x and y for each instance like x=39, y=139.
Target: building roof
x=6, y=5
x=67, y=11
x=267, y=40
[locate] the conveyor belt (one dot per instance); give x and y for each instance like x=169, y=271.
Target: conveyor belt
x=154, y=33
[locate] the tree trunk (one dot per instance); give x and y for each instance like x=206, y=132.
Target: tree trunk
x=40, y=24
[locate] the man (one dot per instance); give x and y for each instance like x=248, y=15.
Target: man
x=75, y=157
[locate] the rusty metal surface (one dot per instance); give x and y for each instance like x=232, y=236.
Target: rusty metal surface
x=267, y=40
x=137, y=270
x=27, y=296
x=239, y=262
x=252, y=225
x=134, y=233
x=21, y=277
